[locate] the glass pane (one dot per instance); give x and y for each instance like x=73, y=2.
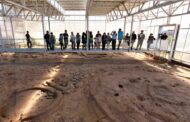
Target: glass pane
x=181, y=39
x=184, y=22
x=187, y=44
x=186, y=57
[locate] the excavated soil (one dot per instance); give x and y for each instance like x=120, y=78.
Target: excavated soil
x=92, y=87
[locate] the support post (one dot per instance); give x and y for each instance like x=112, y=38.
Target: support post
x=1, y=39
x=124, y=28
x=140, y=24
x=106, y=26
x=3, y=13
x=87, y=29
x=131, y=30
x=49, y=24
x=43, y=28
x=169, y=15
x=11, y=19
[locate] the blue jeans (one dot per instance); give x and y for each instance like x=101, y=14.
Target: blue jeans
x=52, y=45
x=119, y=43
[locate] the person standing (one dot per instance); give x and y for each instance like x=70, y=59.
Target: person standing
x=114, y=37
x=104, y=40
x=108, y=40
x=133, y=39
x=78, y=40
x=98, y=39
x=91, y=41
x=28, y=39
x=164, y=36
x=72, y=40
x=120, y=38
x=52, y=41
x=47, y=39
x=61, y=41
x=141, y=38
x=126, y=44
x=150, y=41
x=84, y=40
x=66, y=38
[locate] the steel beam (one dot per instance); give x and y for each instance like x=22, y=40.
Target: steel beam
x=155, y=6
x=177, y=8
x=125, y=8
x=18, y=5
x=155, y=16
x=115, y=14
x=27, y=14
x=33, y=16
x=9, y=10
x=188, y=7
x=167, y=13
x=119, y=11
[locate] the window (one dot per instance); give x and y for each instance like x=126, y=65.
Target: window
x=181, y=39
x=187, y=43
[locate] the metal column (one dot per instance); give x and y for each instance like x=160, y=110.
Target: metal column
x=49, y=24
x=169, y=16
x=43, y=28
x=124, y=28
x=3, y=12
x=4, y=19
x=131, y=30
x=106, y=26
x=11, y=19
x=140, y=25
x=87, y=30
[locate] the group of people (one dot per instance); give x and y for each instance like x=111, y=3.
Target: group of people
x=88, y=40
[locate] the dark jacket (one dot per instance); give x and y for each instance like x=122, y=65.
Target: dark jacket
x=28, y=37
x=134, y=36
x=47, y=37
x=104, y=39
x=78, y=38
x=66, y=36
x=83, y=38
x=150, y=39
x=127, y=38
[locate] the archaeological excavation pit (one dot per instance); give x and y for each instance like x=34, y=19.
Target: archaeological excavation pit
x=95, y=87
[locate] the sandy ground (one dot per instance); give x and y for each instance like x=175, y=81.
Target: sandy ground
x=81, y=87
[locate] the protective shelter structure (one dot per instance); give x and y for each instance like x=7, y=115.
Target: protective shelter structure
x=37, y=16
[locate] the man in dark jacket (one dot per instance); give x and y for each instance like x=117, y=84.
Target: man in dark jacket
x=90, y=41
x=133, y=39
x=47, y=39
x=104, y=41
x=66, y=38
x=52, y=41
x=28, y=39
x=84, y=40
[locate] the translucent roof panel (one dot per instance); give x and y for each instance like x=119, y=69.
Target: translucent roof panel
x=47, y=7
x=98, y=7
x=73, y=4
